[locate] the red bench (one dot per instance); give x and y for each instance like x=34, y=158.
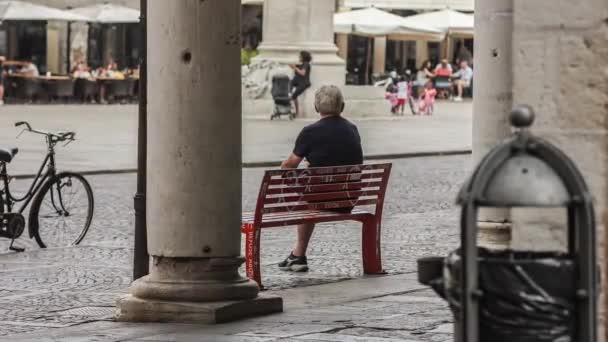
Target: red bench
x=294, y=196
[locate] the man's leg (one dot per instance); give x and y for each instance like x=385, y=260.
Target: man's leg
x=459, y=84
x=304, y=234
x=295, y=103
x=1, y=94
x=296, y=261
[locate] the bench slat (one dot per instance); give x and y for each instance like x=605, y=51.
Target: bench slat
x=318, y=171
x=320, y=206
x=300, y=214
x=342, y=195
x=351, y=177
x=318, y=216
x=323, y=187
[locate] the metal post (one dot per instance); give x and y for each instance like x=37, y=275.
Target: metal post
x=69, y=48
x=141, y=257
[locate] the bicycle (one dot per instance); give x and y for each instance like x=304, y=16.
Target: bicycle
x=57, y=217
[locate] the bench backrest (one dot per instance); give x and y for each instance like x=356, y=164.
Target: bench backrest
x=292, y=190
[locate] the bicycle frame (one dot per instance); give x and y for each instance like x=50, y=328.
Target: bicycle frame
x=40, y=178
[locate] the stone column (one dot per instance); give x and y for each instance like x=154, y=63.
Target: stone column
x=342, y=43
x=569, y=42
x=379, y=55
x=557, y=45
x=194, y=170
x=295, y=25
x=422, y=51
x=493, y=100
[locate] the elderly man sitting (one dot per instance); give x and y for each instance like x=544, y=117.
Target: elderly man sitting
x=331, y=141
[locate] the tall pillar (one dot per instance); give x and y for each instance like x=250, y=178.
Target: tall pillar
x=568, y=42
x=379, y=55
x=295, y=25
x=559, y=44
x=493, y=100
x=194, y=170
x=422, y=51
x=342, y=43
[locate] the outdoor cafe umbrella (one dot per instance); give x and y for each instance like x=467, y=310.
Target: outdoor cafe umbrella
x=448, y=21
x=21, y=10
x=108, y=14
x=372, y=22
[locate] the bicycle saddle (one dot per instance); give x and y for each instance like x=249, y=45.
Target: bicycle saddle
x=7, y=155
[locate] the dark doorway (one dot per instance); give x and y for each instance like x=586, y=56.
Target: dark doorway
x=25, y=41
x=118, y=42
x=360, y=60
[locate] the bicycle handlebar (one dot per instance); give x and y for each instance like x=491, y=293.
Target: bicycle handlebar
x=21, y=123
x=56, y=137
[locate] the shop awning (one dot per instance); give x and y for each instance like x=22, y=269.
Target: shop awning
x=375, y=22
x=448, y=21
x=460, y=5
x=108, y=14
x=21, y=10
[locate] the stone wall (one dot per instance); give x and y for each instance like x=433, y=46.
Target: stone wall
x=560, y=67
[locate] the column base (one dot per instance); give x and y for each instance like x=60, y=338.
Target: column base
x=194, y=290
x=494, y=235
x=133, y=309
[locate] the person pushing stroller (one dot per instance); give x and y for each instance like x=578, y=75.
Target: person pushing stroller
x=301, y=78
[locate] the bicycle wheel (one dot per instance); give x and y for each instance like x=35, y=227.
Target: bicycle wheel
x=62, y=211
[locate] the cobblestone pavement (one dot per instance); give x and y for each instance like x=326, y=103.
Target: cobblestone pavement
x=107, y=135
x=54, y=288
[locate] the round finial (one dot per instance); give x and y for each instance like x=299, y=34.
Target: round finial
x=522, y=116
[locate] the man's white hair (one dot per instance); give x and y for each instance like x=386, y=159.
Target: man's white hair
x=329, y=100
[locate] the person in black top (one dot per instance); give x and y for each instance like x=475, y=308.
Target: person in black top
x=331, y=141
x=301, y=78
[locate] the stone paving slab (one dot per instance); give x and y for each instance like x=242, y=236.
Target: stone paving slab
x=107, y=135
x=59, y=290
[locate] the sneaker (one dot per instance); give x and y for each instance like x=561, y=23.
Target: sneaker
x=294, y=263
x=458, y=99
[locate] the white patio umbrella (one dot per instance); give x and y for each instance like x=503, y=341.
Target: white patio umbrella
x=108, y=14
x=21, y=10
x=448, y=21
x=374, y=22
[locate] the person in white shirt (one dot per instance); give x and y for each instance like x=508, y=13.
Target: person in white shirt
x=463, y=77
x=402, y=94
x=29, y=69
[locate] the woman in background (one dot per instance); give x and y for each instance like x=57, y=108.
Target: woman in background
x=301, y=78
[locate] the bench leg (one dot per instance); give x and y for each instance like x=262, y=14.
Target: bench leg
x=372, y=262
x=252, y=253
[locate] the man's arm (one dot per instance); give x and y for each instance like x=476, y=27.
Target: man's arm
x=291, y=162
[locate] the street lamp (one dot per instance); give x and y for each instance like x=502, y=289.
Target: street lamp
x=140, y=254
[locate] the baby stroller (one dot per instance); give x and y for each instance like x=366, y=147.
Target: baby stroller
x=281, y=98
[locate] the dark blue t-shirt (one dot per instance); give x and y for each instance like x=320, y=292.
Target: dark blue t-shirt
x=331, y=141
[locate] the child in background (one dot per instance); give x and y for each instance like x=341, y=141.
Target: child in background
x=402, y=94
x=391, y=94
x=427, y=99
